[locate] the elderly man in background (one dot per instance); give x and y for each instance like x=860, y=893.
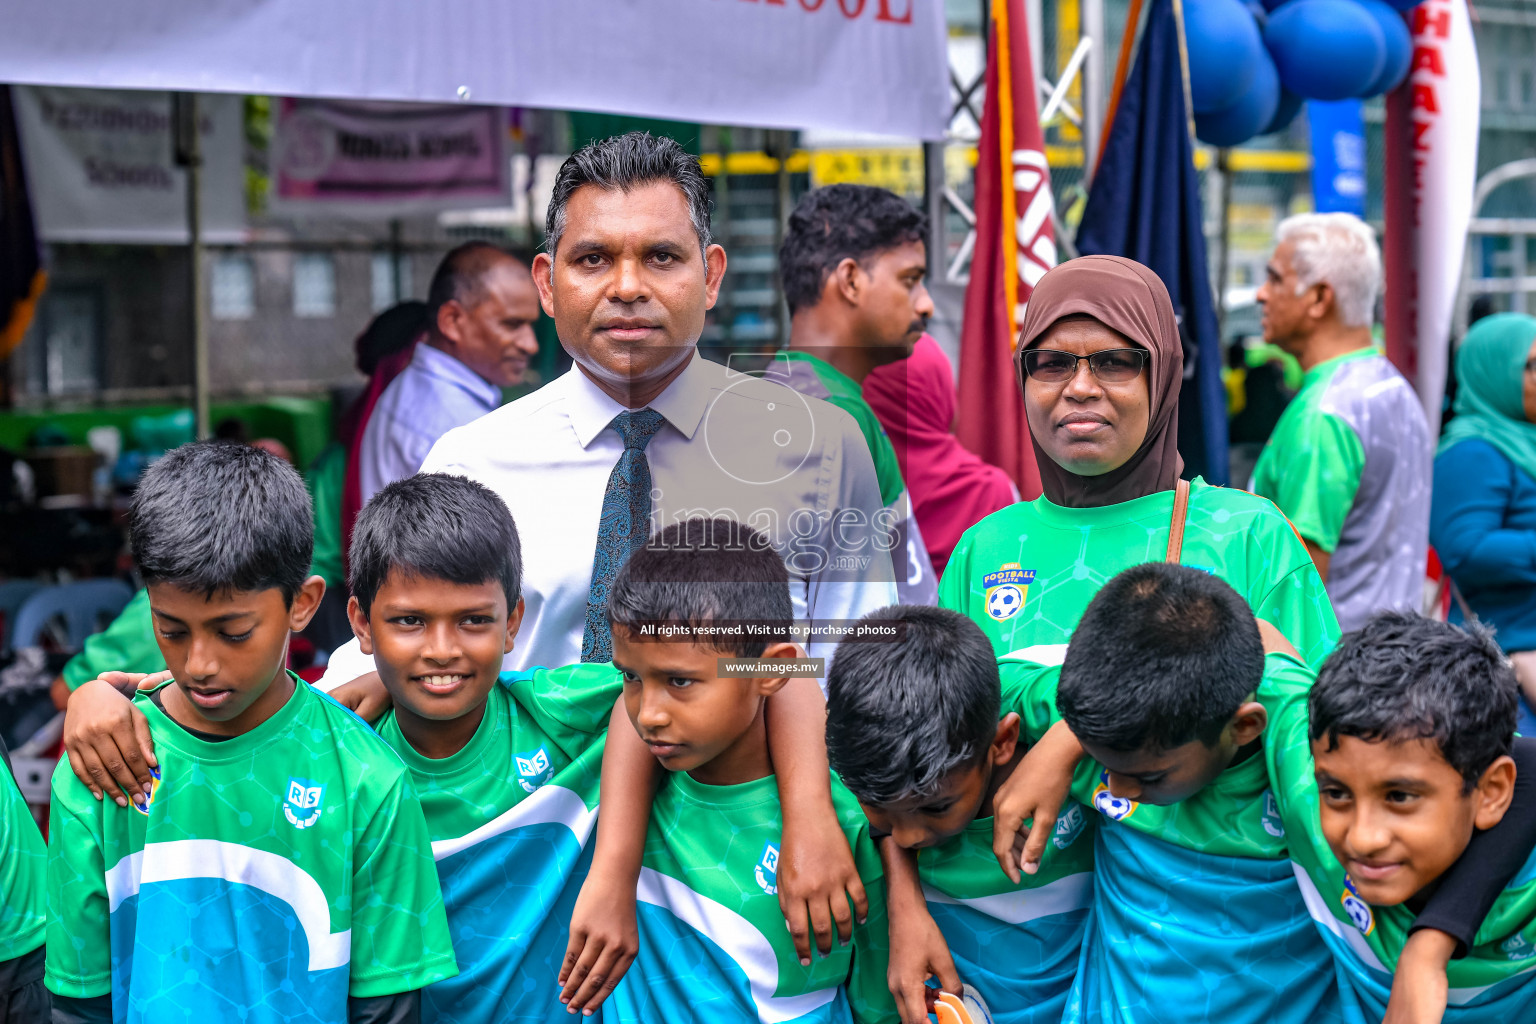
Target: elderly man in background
x=1350, y=460
x=481, y=308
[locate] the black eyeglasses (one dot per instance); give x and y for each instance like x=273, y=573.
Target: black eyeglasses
x=1112, y=366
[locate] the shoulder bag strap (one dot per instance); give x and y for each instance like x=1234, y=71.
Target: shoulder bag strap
x=1180, y=513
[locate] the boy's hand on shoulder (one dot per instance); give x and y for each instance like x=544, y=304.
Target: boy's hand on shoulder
x=364, y=696
x=918, y=951
x=604, y=942
x=1035, y=791
x=817, y=879
x=1419, y=986
x=107, y=739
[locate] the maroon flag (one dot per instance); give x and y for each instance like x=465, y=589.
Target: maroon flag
x=1014, y=249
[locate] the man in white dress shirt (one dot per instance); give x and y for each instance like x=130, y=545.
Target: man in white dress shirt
x=628, y=277
x=482, y=306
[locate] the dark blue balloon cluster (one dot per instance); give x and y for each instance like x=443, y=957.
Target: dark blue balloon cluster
x=1251, y=64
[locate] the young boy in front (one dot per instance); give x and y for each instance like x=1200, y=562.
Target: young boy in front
x=279, y=869
x=713, y=945
x=508, y=774
x=1197, y=912
x=1406, y=744
x=923, y=732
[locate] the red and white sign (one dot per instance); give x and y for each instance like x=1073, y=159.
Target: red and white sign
x=861, y=65
x=1431, y=138
x=388, y=159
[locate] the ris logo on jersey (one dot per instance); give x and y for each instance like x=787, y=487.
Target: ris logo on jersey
x=533, y=770
x=1069, y=826
x=767, y=870
x=302, y=805
x=1518, y=947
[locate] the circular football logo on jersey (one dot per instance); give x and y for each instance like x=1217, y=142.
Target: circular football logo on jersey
x=1358, y=910
x=1004, y=602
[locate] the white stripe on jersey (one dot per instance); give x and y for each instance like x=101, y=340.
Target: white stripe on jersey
x=551, y=805
x=1072, y=892
x=740, y=940
x=239, y=865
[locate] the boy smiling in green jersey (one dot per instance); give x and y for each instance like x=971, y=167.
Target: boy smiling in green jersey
x=712, y=940
x=279, y=866
x=508, y=773
x=1410, y=731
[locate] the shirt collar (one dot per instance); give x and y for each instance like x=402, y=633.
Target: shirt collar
x=434, y=362
x=682, y=404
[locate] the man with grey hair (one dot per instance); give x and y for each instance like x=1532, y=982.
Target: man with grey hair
x=1350, y=460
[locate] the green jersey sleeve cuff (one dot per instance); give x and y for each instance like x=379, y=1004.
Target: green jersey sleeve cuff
x=73, y=987
x=387, y=982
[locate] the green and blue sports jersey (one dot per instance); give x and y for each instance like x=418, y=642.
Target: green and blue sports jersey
x=713, y=942
x=23, y=874
x=127, y=645
x=1025, y=574
x=1018, y=945
x=1188, y=893
x=510, y=817
x=270, y=876
x=1495, y=983
x=818, y=378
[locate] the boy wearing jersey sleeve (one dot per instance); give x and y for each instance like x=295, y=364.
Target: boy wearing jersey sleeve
x=278, y=869
x=1409, y=754
x=23, y=869
x=507, y=774
x=695, y=612
x=923, y=733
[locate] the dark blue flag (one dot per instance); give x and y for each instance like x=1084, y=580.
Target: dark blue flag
x=1145, y=205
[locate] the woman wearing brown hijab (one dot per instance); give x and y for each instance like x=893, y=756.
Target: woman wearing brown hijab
x=1100, y=364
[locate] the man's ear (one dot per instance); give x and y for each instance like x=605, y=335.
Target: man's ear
x=1321, y=301
x=1494, y=792
x=1005, y=742
x=305, y=603
x=543, y=267
x=1248, y=723
x=770, y=685
x=450, y=317
x=360, y=626
x=514, y=622
x=714, y=273
x=848, y=279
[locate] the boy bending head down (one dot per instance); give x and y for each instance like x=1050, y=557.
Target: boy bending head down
x=924, y=732
x=701, y=624
x=269, y=801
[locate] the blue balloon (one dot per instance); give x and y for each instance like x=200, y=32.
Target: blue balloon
x=1403, y=5
x=1394, y=32
x=1249, y=116
x=1326, y=49
x=1270, y=5
x=1285, y=112
x=1224, y=43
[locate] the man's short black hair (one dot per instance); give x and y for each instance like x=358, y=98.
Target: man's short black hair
x=905, y=713
x=841, y=222
x=717, y=577
x=624, y=162
x=214, y=516
x=389, y=332
x=1164, y=655
x=459, y=274
x=437, y=527
x=1403, y=677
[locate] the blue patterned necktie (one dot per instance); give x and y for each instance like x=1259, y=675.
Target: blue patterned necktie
x=624, y=525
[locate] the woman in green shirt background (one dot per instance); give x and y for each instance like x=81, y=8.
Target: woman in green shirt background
x=1100, y=363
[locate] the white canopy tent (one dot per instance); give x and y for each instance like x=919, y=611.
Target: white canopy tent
x=864, y=65
x=877, y=66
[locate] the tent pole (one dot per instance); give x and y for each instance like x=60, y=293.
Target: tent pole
x=933, y=205
x=1224, y=238
x=189, y=155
